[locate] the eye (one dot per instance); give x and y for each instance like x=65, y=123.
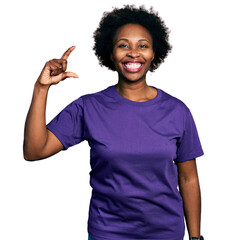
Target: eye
x=143, y=46
x=122, y=46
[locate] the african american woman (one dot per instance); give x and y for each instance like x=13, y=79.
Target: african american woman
x=143, y=141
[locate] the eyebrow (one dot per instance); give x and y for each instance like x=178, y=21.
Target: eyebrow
x=125, y=39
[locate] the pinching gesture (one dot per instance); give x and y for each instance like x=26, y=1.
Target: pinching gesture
x=54, y=70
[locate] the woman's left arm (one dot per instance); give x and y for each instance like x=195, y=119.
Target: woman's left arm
x=190, y=191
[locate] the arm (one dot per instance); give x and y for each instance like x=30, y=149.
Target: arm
x=190, y=192
x=39, y=142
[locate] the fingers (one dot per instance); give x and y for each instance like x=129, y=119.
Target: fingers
x=67, y=53
x=57, y=66
x=61, y=63
x=54, y=70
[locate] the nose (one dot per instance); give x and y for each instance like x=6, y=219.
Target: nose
x=133, y=53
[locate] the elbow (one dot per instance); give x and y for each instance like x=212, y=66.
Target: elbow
x=29, y=155
x=33, y=156
x=26, y=154
x=28, y=158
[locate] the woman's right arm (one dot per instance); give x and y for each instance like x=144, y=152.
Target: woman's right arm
x=39, y=142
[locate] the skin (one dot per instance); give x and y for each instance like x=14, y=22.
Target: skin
x=190, y=191
x=133, y=42
x=40, y=143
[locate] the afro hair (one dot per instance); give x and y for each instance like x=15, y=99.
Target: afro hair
x=112, y=21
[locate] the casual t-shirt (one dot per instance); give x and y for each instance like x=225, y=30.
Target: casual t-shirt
x=134, y=148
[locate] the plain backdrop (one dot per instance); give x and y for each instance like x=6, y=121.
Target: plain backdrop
x=49, y=199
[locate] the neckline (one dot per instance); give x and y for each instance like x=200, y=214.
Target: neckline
x=128, y=101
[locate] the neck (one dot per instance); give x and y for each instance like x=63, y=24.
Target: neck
x=136, y=91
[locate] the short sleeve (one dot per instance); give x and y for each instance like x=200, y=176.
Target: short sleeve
x=189, y=145
x=68, y=125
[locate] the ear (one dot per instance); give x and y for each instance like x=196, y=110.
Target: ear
x=153, y=57
x=111, y=57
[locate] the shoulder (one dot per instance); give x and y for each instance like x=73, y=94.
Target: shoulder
x=173, y=102
x=85, y=101
x=94, y=97
x=175, y=106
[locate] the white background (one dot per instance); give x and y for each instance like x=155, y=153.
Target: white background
x=49, y=199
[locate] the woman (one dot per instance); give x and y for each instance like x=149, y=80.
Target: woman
x=144, y=142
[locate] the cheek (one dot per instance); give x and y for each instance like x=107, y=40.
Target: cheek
x=118, y=55
x=149, y=55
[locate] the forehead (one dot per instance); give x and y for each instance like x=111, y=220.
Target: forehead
x=132, y=30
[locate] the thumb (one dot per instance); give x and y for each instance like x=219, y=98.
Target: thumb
x=63, y=76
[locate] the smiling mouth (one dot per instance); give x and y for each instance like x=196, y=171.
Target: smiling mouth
x=133, y=67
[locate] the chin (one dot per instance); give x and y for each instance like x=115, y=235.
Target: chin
x=132, y=79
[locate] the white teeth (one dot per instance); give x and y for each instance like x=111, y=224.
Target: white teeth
x=133, y=65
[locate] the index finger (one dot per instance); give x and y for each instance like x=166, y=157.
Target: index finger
x=67, y=53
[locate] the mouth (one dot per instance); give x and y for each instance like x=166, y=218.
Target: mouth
x=133, y=67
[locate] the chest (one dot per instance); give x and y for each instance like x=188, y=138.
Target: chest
x=148, y=132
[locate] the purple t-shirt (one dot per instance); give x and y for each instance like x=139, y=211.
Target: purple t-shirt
x=134, y=147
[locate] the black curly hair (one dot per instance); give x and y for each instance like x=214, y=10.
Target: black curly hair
x=112, y=21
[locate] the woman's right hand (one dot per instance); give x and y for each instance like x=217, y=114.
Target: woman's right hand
x=54, y=70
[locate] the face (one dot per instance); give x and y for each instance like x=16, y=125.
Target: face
x=132, y=52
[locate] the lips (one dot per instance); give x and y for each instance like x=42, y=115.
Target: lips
x=133, y=66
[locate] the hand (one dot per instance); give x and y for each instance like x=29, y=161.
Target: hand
x=54, y=70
